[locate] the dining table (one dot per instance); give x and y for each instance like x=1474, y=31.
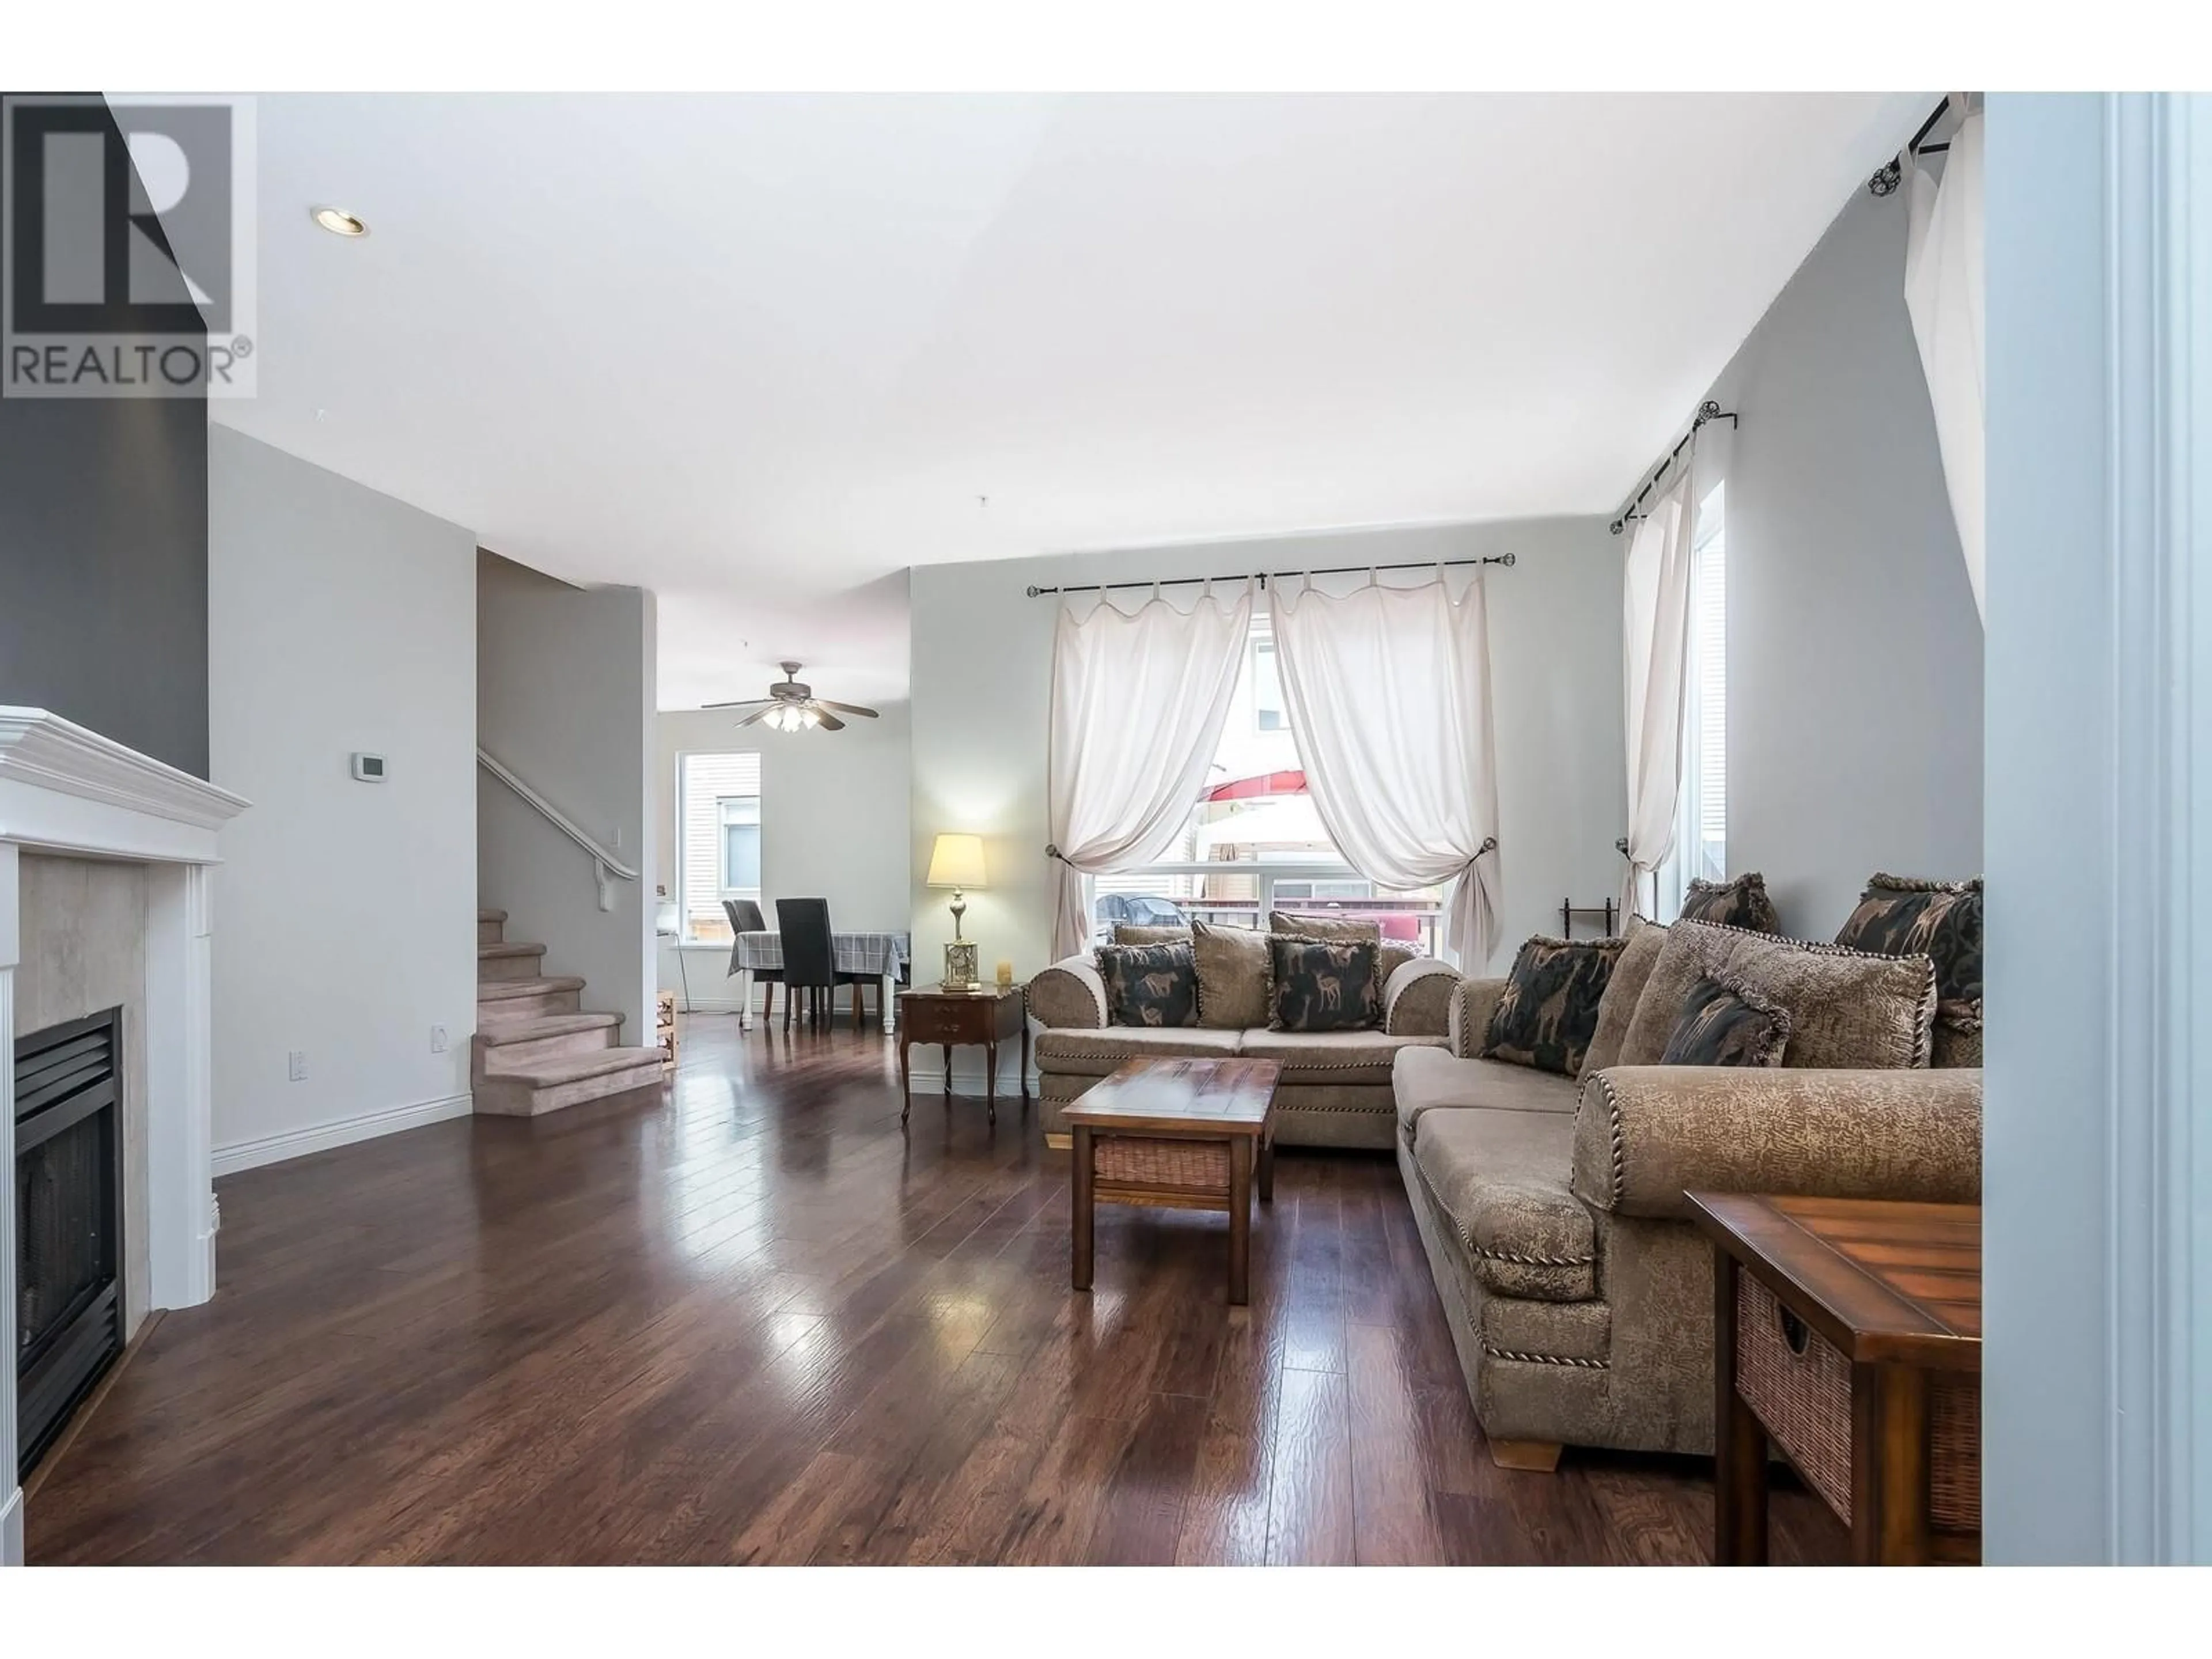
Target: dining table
x=885, y=957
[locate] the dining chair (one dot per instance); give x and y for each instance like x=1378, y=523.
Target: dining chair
x=745, y=917
x=810, y=960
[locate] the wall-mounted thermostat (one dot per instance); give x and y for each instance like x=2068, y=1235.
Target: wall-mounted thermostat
x=369, y=768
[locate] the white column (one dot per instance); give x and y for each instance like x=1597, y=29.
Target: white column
x=11, y=1495
x=179, y=1085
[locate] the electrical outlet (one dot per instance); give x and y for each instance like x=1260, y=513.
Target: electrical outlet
x=295, y=1064
x=437, y=1039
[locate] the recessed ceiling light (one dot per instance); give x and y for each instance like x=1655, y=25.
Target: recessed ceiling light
x=339, y=222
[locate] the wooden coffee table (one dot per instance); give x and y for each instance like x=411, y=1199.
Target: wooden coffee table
x=1181, y=1134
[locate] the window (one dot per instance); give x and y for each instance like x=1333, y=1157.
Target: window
x=741, y=833
x=1701, y=822
x=1267, y=688
x=718, y=806
x=1253, y=840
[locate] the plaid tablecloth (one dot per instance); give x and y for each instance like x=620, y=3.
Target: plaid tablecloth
x=851, y=953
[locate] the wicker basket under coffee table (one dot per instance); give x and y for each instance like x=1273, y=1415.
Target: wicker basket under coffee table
x=1183, y=1133
x=1849, y=1331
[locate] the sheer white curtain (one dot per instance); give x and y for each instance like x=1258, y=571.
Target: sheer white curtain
x=1655, y=652
x=1137, y=702
x=1388, y=694
x=1943, y=293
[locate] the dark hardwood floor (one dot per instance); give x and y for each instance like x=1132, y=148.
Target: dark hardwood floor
x=744, y=1319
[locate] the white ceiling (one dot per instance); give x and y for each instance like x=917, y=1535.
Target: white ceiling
x=760, y=354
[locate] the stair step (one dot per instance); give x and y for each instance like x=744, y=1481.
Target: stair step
x=568, y=1068
x=500, y=1001
x=491, y=927
x=550, y=1085
x=489, y=915
x=508, y=961
x=529, y=1030
x=508, y=1046
x=500, y=990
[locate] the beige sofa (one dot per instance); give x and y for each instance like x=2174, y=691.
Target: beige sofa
x=1336, y=1086
x=1578, y=1292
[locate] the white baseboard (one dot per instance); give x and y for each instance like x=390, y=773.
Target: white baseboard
x=322, y=1137
x=11, y=1529
x=725, y=1005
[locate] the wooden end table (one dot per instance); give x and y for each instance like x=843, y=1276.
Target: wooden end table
x=1181, y=1134
x=1850, y=1331
x=988, y=1017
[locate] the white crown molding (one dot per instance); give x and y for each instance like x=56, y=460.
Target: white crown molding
x=42, y=750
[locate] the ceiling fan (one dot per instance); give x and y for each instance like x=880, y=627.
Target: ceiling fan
x=792, y=706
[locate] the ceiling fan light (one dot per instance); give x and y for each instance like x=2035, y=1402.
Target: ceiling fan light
x=810, y=718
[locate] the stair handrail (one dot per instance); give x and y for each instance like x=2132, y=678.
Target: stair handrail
x=606, y=868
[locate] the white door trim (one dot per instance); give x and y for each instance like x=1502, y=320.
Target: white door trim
x=2099, y=701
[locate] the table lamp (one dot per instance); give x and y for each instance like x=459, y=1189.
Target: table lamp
x=956, y=861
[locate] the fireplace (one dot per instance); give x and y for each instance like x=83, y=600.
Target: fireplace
x=66, y=793
x=68, y=1222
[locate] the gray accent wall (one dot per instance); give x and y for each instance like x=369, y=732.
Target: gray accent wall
x=1854, y=651
x=104, y=566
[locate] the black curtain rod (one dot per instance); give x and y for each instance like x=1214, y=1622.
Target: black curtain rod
x=1264, y=577
x=1886, y=181
x=1707, y=410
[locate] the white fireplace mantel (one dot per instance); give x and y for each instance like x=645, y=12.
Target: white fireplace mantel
x=63, y=789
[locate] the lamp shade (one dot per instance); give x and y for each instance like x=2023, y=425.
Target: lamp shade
x=956, y=861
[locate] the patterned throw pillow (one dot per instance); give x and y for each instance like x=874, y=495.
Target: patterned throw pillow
x=1150, y=984
x=1899, y=916
x=1548, y=1012
x=1390, y=955
x=1726, y=1025
x=1741, y=903
x=1322, y=985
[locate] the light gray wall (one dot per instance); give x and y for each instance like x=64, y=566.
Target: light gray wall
x=564, y=697
x=1854, y=652
x=834, y=809
x=339, y=619
x=982, y=676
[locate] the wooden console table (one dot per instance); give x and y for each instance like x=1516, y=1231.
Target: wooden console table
x=988, y=1017
x=1850, y=1331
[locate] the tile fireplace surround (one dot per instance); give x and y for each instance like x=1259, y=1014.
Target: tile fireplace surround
x=66, y=790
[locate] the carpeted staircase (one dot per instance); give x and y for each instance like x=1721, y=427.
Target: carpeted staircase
x=535, y=1050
